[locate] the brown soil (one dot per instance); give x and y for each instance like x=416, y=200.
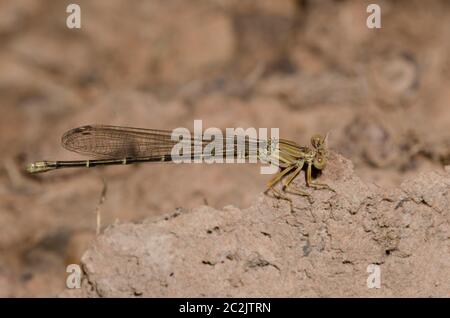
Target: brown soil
x=303, y=66
x=321, y=249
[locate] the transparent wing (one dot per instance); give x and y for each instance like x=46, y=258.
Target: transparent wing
x=104, y=141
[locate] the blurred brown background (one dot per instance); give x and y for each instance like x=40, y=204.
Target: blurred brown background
x=303, y=66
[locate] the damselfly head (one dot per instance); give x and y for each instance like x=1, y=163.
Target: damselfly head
x=319, y=144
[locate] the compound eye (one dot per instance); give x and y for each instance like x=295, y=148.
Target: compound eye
x=319, y=163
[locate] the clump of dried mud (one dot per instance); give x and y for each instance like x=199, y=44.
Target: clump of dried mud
x=321, y=249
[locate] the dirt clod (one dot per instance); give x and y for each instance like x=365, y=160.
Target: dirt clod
x=320, y=249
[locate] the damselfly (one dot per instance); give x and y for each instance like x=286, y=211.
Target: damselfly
x=115, y=145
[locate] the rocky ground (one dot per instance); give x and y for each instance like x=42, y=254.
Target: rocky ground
x=271, y=249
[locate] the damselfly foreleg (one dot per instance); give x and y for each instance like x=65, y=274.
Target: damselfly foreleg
x=313, y=184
